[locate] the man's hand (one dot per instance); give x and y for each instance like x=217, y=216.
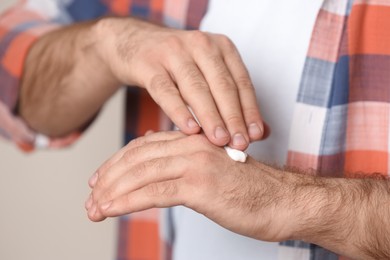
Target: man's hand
x=72, y=71
x=169, y=169
x=346, y=216
x=180, y=68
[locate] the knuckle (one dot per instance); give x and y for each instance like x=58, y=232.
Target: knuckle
x=173, y=42
x=245, y=83
x=234, y=119
x=104, y=168
x=157, y=164
x=161, y=189
x=227, y=43
x=189, y=70
x=101, y=184
x=135, y=142
x=191, y=74
x=168, y=188
x=201, y=39
x=160, y=146
x=225, y=40
x=218, y=65
x=108, y=195
x=223, y=77
x=138, y=171
x=129, y=155
x=198, y=85
x=251, y=112
x=152, y=190
x=226, y=85
x=159, y=83
x=178, y=110
x=167, y=93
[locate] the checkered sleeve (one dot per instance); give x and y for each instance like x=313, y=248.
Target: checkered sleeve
x=341, y=120
x=20, y=27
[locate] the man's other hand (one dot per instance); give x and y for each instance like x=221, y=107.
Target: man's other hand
x=185, y=68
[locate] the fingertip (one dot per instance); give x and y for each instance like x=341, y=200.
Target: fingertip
x=92, y=212
x=89, y=202
x=112, y=208
x=239, y=142
x=190, y=127
x=93, y=180
x=94, y=215
x=221, y=136
x=256, y=131
x=193, y=126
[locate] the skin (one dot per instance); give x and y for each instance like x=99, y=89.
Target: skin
x=346, y=216
x=71, y=72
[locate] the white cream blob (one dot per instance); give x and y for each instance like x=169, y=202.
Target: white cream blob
x=236, y=155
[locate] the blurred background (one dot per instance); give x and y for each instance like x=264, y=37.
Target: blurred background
x=42, y=215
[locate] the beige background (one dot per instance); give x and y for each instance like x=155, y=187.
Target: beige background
x=42, y=195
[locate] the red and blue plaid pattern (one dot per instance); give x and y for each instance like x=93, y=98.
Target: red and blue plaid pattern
x=341, y=123
x=341, y=120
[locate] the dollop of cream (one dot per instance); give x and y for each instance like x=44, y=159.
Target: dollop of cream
x=236, y=155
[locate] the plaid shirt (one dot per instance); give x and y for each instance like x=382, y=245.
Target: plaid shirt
x=341, y=119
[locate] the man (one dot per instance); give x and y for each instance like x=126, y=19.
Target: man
x=167, y=169
x=88, y=82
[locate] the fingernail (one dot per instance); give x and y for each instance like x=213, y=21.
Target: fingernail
x=106, y=205
x=192, y=123
x=255, y=131
x=221, y=133
x=239, y=140
x=92, y=181
x=88, y=203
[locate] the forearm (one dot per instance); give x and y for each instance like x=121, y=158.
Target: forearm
x=65, y=81
x=346, y=216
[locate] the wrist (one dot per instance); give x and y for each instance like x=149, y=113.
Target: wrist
x=277, y=204
x=109, y=33
x=324, y=212
x=94, y=56
x=120, y=45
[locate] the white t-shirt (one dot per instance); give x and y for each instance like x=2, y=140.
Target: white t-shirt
x=273, y=38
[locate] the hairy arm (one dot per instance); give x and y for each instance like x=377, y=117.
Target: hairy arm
x=347, y=216
x=65, y=82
